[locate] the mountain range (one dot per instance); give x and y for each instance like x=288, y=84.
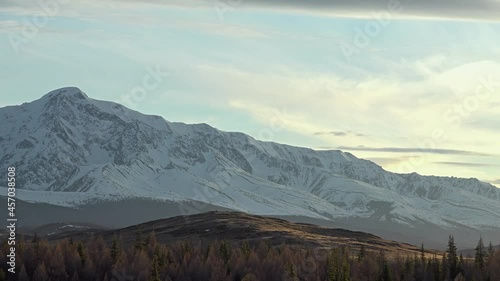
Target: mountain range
x=73, y=151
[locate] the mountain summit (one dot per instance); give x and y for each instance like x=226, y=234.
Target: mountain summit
x=70, y=150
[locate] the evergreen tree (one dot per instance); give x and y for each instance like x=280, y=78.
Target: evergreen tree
x=333, y=274
x=224, y=251
x=436, y=268
x=422, y=253
x=81, y=252
x=491, y=250
x=155, y=269
x=461, y=264
x=386, y=273
x=444, y=267
x=40, y=273
x=139, y=242
x=452, y=257
x=408, y=267
x=361, y=253
x=56, y=266
x=115, y=250
x=346, y=269
x=246, y=249
x=479, y=257
x=36, y=248
x=152, y=241
x=207, y=253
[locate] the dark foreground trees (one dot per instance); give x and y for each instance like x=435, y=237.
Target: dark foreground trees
x=148, y=260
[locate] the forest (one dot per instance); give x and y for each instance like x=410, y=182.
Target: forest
x=148, y=260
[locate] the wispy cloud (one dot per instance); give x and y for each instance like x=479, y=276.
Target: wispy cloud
x=8, y=26
x=466, y=164
x=339, y=133
x=481, y=9
x=387, y=161
x=410, y=150
x=451, y=9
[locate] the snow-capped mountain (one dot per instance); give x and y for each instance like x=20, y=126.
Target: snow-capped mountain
x=69, y=150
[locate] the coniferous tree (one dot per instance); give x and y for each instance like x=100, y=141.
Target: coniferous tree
x=491, y=250
x=36, y=249
x=422, y=253
x=408, y=267
x=386, y=274
x=436, y=268
x=333, y=274
x=89, y=271
x=452, y=257
x=56, y=267
x=40, y=273
x=461, y=264
x=81, y=252
x=152, y=241
x=155, y=269
x=246, y=249
x=115, y=250
x=139, y=242
x=444, y=267
x=361, y=253
x=187, y=261
x=346, y=268
x=207, y=252
x=479, y=257
x=224, y=251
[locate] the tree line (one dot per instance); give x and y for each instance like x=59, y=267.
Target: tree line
x=148, y=260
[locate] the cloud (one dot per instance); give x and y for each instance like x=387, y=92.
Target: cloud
x=467, y=164
x=496, y=181
x=488, y=122
x=386, y=161
x=481, y=9
x=410, y=150
x=443, y=9
x=8, y=26
x=339, y=133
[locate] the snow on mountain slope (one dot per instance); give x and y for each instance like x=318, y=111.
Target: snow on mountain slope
x=70, y=149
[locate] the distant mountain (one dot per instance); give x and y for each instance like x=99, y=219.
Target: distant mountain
x=71, y=150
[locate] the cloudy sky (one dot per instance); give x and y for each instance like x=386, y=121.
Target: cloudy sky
x=413, y=85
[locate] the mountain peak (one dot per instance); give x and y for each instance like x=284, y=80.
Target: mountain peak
x=73, y=93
